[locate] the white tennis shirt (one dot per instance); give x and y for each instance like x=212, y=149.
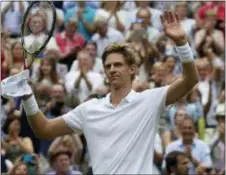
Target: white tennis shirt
x=120, y=139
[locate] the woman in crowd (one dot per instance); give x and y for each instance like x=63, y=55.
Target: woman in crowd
x=15, y=145
x=15, y=57
x=47, y=76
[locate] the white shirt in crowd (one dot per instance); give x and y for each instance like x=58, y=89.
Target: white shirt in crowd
x=120, y=138
x=112, y=35
x=83, y=91
x=155, y=17
x=98, y=66
x=33, y=42
x=123, y=15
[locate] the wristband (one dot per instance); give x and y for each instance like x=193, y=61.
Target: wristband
x=30, y=106
x=185, y=53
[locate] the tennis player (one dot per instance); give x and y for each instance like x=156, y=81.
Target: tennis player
x=120, y=128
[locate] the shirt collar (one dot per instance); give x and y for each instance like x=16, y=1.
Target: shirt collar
x=193, y=143
x=129, y=98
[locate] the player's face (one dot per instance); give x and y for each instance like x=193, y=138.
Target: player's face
x=36, y=24
x=182, y=165
x=117, y=70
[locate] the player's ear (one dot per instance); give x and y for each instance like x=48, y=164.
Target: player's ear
x=133, y=69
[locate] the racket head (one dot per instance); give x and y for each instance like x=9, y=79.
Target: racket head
x=37, y=27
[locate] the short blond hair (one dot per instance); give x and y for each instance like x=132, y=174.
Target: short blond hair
x=124, y=49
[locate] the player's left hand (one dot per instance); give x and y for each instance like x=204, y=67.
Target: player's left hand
x=173, y=28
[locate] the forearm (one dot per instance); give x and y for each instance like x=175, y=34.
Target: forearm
x=54, y=144
x=4, y=10
x=183, y=85
x=77, y=82
x=119, y=25
x=25, y=149
x=21, y=5
x=88, y=83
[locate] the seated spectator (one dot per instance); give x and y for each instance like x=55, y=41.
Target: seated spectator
x=45, y=79
x=116, y=17
x=191, y=109
x=217, y=144
x=175, y=133
x=5, y=49
x=69, y=39
x=69, y=42
x=54, y=108
x=158, y=75
x=97, y=65
x=84, y=81
x=61, y=162
x=11, y=15
x=105, y=35
x=155, y=17
x=209, y=35
x=153, y=33
x=197, y=151
x=15, y=57
x=177, y=163
x=15, y=145
x=85, y=15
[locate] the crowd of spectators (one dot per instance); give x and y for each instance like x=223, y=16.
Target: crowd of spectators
x=191, y=134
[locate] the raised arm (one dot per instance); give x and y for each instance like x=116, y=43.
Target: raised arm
x=183, y=85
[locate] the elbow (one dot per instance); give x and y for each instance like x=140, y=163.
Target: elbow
x=191, y=82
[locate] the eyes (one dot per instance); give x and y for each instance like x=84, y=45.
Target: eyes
x=115, y=65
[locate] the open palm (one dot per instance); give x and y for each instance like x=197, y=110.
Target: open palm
x=172, y=26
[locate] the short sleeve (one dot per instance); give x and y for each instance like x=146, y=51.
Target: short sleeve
x=75, y=118
x=157, y=96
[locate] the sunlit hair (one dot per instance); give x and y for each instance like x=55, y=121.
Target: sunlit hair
x=53, y=73
x=16, y=166
x=124, y=49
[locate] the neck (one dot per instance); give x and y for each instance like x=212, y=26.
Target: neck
x=68, y=35
x=13, y=135
x=187, y=142
x=117, y=94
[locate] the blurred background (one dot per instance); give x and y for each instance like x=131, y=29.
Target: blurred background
x=82, y=31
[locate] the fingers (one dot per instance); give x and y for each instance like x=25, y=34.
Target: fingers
x=169, y=17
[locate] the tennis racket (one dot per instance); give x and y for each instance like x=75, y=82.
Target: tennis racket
x=36, y=30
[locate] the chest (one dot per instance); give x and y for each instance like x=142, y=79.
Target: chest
x=115, y=122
